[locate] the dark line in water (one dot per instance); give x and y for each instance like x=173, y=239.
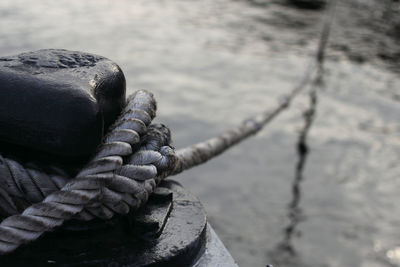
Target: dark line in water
x=285, y=252
x=295, y=213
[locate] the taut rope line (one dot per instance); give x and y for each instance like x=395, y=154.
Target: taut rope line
x=134, y=157
x=197, y=154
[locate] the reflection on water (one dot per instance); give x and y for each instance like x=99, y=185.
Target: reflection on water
x=213, y=63
x=285, y=253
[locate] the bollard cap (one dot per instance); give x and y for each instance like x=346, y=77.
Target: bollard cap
x=58, y=101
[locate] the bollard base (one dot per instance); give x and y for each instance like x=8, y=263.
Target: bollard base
x=170, y=230
x=215, y=253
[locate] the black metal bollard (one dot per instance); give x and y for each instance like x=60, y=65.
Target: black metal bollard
x=170, y=230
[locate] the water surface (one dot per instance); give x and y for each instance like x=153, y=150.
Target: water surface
x=212, y=63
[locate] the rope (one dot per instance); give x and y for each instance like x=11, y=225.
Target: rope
x=134, y=157
x=115, y=181
x=199, y=153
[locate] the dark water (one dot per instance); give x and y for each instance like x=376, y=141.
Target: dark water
x=304, y=192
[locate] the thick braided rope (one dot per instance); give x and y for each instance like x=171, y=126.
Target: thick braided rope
x=84, y=196
x=109, y=183
x=22, y=185
x=199, y=153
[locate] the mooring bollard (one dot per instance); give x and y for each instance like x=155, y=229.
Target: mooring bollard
x=71, y=195
x=170, y=230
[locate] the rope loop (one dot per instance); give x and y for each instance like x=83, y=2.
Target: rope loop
x=133, y=158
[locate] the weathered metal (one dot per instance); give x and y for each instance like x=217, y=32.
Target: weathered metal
x=58, y=101
x=171, y=230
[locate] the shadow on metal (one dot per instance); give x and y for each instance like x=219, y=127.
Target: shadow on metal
x=171, y=230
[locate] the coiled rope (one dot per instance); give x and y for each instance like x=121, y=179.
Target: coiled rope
x=115, y=181
x=134, y=157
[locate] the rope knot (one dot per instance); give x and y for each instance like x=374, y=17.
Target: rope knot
x=134, y=156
